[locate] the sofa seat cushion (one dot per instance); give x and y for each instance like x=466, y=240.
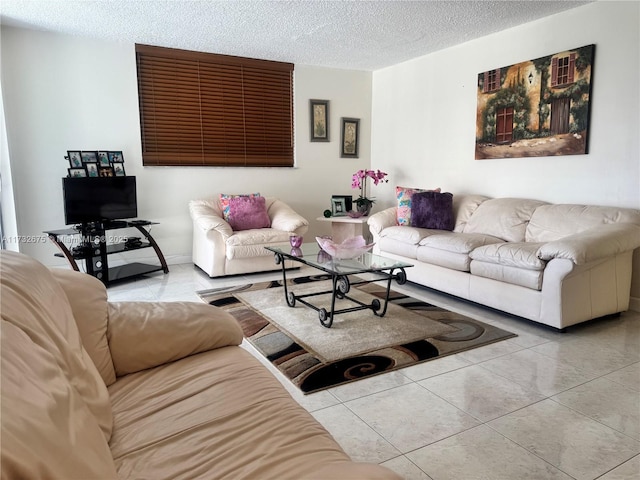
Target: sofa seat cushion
x=405, y=234
x=251, y=243
x=442, y=258
x=458, y=242
x=515, y=275
x=218, y=414
x=519, y=255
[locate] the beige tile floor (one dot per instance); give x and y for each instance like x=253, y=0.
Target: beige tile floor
x=543, y=405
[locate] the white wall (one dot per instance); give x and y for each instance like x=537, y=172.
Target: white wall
x=424, y=114
x=68, y=93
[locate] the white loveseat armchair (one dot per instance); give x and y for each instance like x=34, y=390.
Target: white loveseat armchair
x=219, y=250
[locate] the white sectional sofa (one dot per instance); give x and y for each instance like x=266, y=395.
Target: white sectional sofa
x=554, y=264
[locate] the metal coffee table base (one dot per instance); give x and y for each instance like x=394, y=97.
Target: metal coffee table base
x=341, y=285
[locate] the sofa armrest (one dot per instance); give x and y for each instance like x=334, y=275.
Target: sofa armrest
x=381, y=220
x=207, y=218
x=147, y=334
x=285, y=218
x=595, y=243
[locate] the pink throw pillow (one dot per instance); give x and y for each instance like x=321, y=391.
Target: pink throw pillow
x=246, y=213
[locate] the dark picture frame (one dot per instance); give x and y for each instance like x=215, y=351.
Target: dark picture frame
x=77, y=172
x=103, y=159
x=75, y=158
x=90, y=156
x=319, y=120
x=118, y=169
x=338, y=207
x=349, y=137
x=106, y=172
x=92, y=169
x=116, y=156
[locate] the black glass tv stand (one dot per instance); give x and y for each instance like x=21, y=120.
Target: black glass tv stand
x=94, y=245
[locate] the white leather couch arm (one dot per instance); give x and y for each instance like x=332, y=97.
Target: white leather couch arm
x=284, y=218
x=143, y=335
x=381, y=220
x=600, y=242
x=207, y=218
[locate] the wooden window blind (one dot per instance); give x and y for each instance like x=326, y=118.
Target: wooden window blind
x=214, y=110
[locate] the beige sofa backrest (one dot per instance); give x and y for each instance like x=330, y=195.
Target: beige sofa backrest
x=56, y=414
x=505, y=218
x=553, y=222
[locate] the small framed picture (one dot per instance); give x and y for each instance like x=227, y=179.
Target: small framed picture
x=92, y=169
x=77, y=172
x=89, y=157
x=105, y=172
x=103, y=159
x=118, y=170
x=349, y=137
x=116, y=157
x=338, y=207
x=319, y=116
x=75, y=158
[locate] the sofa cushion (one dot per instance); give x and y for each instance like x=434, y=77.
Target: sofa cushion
x=442, y=258
x=34, y=301
x=520, y=255
x=552, y=222
x=47, y=429
x=505, y=218
x=228, y=418
x=458, y=242
x=463, y=208
x=225, y=200
x=246, y=213
x=408, y=235
x=432, y=210
x=514, y=275
x=389, y=245
x=404, y=196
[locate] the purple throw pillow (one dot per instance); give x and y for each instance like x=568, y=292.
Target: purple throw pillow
x=432, y=210
x=246, y=213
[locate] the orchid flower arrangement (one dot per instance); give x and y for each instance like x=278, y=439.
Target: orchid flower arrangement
x=359, y=180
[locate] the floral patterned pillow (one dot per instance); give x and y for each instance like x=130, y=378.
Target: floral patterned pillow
x=404, y=195
x=224, y=202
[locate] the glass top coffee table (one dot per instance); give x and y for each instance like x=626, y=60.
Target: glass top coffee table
x=382, y=268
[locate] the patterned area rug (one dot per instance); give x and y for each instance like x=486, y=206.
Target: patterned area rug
x=359, y=344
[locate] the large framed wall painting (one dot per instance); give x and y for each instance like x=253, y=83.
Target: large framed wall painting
x=536, y=108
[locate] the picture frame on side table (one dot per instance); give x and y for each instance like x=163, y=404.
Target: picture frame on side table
x=349, y=133
x=79, y=172
x=338, y=207
x=319, y=119
x=75, y=158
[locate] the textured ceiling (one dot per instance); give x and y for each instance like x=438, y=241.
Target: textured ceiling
x=359, y=35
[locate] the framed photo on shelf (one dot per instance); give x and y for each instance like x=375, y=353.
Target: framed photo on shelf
x=89, y=157
x=92, y=169
x=116, y=157
x=118, y=169
x=319, y=119
x=348, y=201
x=349, y=133
x=103, y=159
x=75, y=158
x=338, y=207
x=105, y=172
x=77, y=172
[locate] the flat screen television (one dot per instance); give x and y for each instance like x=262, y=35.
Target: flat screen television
x=88, y=199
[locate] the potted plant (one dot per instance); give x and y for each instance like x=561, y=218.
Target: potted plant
x=359, y=180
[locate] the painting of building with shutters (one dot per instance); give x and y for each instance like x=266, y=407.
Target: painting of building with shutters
x=536, y=108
